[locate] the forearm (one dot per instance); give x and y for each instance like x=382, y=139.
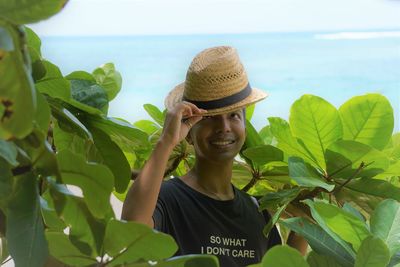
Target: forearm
x=298, y=242
x=141, y=199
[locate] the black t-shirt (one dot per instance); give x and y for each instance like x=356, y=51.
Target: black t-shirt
x=231, y=229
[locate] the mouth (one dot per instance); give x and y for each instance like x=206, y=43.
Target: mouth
x=222, y=143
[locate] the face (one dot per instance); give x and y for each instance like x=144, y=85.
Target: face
x=219, y=138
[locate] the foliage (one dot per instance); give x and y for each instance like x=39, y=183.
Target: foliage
x=339, y=168
x=56, y=136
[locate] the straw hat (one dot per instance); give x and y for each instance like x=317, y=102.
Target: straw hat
x=216, y=81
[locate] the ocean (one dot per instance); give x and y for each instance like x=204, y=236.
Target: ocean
x=333, y=65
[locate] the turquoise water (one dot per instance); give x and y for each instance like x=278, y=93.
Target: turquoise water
x=286, y=65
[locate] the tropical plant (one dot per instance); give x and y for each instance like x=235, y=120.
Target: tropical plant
x=61, y=157
x=55, y=132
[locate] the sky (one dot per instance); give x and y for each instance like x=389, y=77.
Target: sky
x=160, y=17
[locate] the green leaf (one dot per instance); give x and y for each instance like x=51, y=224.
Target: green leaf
x=108, y=78
x=283, y=256
x=34, y=42
x=372, y=253
x=81, y=75
x=282, y=132
x=324, y=225
x=52, y=71
x=25, y=232
x=6, y=182
x=346, y=225
x=250, y=111
x=374, y=187
x=135, y=239
x=42, y=116
x=55, y=87
x=275, y=199
x=345, y=157
x=95, y=180
x=368, y=119
x=29, y=11
x=155, y=113
x=350, y=209
x=147, y=126
x=317, y=260
x=90, y=94
x=320, y=241
x=252, y=137
x=50, y=217
x=68, y=122
x=8, y=151
x=124, y=134
x=266, y=135
x=114, y=158
x=317, y=123
x=299, y=172
x=385, y=224
x=62, y=249
x=263, y=154
x=17, y=94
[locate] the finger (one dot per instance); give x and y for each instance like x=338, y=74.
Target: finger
x=195, y=109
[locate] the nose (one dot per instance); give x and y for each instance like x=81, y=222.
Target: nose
x=223, y=124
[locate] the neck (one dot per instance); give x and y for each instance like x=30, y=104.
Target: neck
x=212, y=179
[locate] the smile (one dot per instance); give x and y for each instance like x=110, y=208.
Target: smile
x=223, y=143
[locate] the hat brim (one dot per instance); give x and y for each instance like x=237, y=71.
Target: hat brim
x=175, y=96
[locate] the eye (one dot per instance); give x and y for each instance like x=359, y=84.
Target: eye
x=236, y=115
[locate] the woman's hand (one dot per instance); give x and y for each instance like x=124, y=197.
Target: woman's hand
x=179, y=121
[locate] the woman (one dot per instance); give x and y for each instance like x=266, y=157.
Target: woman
x=202, y=210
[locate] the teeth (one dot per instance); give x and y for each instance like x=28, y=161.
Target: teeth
x=222, y=143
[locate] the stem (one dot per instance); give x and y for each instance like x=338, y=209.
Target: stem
x=359, y=169
x=253, y=181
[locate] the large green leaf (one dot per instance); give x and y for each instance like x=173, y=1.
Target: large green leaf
x=368, y=119
x=124, y=134
x=109, y=79
x=349, y=227
x=68, y=122
x=154, y=113
x=147, y=126
x=263, y=154
x=95, y=180
x=317, y=123
x=266, y=135
x=374, y=187
x=25, y=232
x=8, y=151
x=321, y=222
x=62, y=249
x=114, y=158
x=89, y=93
x=317, y=260
x=385, y=224
x=252, y=137
x=17, y=92
x=86, y=232
x=299, y=172
x=372, y=253
x=29, y=11
x=283, y=256
x=345, y=157
x=289, y=144
x=55, y=87
x=135, y=239
x=320, y=241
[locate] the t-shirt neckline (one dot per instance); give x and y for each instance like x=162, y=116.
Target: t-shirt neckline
x=204, y=196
